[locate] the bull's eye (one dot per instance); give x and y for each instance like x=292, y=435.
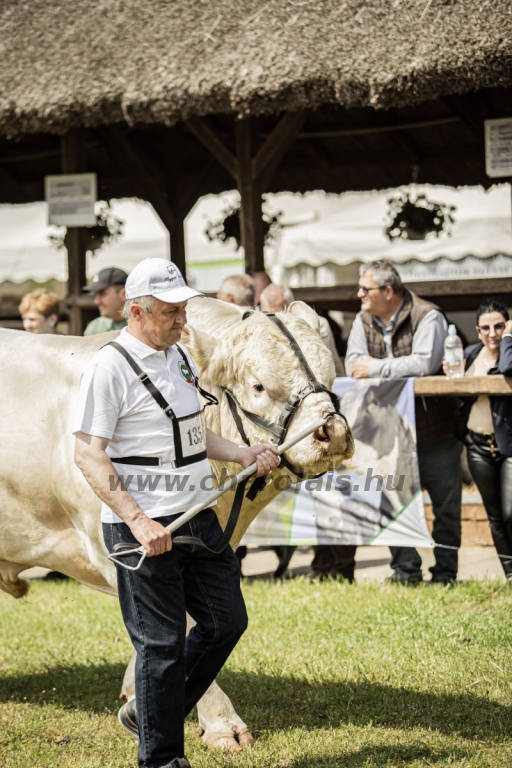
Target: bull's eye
x=259, y=387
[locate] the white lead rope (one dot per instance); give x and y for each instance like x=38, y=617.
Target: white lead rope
x=447, y=546
x=214, y=495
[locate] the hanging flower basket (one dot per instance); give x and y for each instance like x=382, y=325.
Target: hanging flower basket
x=415, y=219
x=227, y=229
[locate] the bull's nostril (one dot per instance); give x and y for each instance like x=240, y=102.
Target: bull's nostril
x=322, y=435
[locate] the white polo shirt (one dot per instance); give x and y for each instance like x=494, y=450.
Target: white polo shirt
x=113, y=403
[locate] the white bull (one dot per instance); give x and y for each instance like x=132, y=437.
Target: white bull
x=49, y=516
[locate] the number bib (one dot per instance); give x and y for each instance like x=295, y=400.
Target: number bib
x=189, y=438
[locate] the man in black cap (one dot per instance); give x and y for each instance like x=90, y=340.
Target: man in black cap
x=109, y=297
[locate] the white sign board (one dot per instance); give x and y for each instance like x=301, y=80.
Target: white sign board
x=498, y=147
x=71, y=199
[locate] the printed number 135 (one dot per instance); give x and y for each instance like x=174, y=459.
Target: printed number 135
x=195, y=435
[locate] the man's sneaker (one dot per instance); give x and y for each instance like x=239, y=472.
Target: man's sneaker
x=401, y=578
x=127, y=716
x=178, y=762
x=448, y=582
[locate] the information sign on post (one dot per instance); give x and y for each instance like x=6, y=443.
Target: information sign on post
x=498, y=147
x=71, y=199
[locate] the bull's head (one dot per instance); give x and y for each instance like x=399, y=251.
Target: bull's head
x=254, y=360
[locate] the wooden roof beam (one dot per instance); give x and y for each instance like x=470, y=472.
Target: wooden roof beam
x=199, y=186
x=473, y=121
x=268, y=156
x=9, y=181
x=272, y=151
x=208, y=136
x=321, y=158
x=137, y=165
x=367, y=130
x=152, y=184
x=406, y=143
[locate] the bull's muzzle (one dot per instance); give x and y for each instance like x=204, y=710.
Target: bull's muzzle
x=336, y=436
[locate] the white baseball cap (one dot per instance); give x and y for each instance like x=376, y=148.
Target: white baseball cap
x=160, y=278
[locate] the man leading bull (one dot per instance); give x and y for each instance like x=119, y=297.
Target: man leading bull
x=142, y=445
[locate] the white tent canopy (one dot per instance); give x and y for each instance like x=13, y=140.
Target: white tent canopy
x=348, y=228
x=321, y=235
x=27, y=254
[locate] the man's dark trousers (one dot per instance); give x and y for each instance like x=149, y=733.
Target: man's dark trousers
x=441, y=475
x=173, y=670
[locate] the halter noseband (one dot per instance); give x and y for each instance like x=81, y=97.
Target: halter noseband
x=280, y=430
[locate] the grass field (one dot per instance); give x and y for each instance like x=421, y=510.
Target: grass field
x=327, y=675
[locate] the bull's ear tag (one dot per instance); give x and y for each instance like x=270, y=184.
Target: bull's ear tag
x=186, y=373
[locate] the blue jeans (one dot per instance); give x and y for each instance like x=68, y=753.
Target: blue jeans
x=173, y=670
x=441, y=475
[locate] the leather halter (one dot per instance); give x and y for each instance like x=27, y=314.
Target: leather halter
x=280, y=430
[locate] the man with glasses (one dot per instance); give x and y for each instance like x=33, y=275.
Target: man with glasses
x=398, y=335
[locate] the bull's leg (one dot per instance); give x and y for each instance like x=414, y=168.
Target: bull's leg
x=219, y=724
x=9, y=581
x=128, y=687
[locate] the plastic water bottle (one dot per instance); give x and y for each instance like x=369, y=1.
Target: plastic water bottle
x=454, y=354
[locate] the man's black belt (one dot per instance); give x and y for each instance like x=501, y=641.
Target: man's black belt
x=139, y=461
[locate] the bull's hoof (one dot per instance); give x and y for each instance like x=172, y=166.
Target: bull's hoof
x=228, y=742
x=225, y=742
x=17, y=588
x=246, y=739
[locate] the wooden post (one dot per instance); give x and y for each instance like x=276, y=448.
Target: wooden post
x=74, y=160
x=251, y=222
x=177, y=239
x=152, y=185
x=252, y=172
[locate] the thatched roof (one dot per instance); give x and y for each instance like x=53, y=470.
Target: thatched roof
x=91, y=62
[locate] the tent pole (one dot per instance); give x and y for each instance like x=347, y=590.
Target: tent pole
x=74, y=160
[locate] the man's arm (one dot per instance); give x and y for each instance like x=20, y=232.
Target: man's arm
x=220, y=449
x=100, y=473
x=427, y=351
x=357, y=347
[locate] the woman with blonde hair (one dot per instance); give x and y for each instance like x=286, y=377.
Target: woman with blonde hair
x=39, y=311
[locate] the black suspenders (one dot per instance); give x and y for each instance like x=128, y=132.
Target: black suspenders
x=153, y=461
x=184, y=457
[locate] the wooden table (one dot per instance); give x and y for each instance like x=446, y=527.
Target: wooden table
x=428, y=386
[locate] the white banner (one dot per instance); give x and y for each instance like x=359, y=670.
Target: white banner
x=376, y=498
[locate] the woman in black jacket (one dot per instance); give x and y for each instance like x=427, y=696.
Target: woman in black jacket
x=485, y=426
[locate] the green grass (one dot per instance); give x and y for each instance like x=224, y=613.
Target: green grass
x=327, y=675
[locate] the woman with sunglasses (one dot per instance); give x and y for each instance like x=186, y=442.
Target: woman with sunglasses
x=484, y=424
